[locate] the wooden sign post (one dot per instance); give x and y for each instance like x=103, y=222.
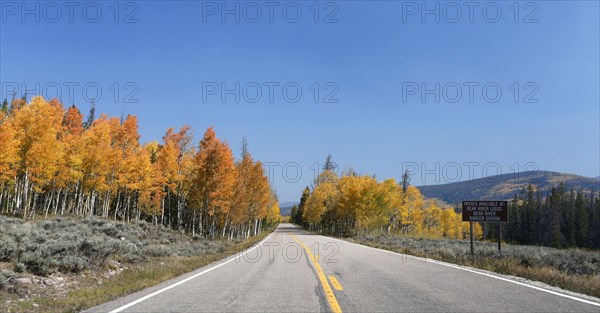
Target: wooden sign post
x=485, y=212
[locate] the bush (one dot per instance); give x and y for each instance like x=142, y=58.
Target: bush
x=5, y=275
x=20, y=267
x=71, y=263
x=71, y=245
x=8, y=248
x=570, y=261
x=156, y=250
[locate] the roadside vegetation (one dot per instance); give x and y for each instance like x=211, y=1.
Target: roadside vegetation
x=570, y=269
x=102, y=214
x=395, y=216
x=67, y=264
x=353, y=204
x=53, y=162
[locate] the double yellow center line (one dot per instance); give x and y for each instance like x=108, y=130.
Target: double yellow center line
x=329, y=295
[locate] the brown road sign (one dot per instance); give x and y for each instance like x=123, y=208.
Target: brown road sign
x=485, y=211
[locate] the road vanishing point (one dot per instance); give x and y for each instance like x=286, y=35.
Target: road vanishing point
x=296, y=271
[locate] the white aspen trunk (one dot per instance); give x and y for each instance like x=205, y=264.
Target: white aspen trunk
x=80, y=201
x=33, y=204
x=194, y=224
x=25, y=188
x=118, y=206
x=179, y=208
x=137, y=208
x=93, y=204
x=48, y=201
x=64, y=202
x=162, y=211
x=224, y=229
x=3, y=199
x=200, y=226
x=127, y=207
x=57, y=201
x=17, y=200
x=106, y=205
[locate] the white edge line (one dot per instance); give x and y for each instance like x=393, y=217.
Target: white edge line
x=187, y=279
x=472, y=270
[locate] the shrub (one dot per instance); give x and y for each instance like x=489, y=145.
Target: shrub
x=5, y=275
x=8, y=248
x=570, y=261
x=72, y=245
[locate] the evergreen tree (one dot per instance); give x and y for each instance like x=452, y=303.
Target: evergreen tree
x=569, y=230
x=512, y=228
x=595, y=208
x=405, y=181
x=581, y=221
x=528, y=213
x=538, y=217
x=4, y=107
x=329, y=165
x=92, y=116
x=555, y=204
x=294, y=213
x=305, y=194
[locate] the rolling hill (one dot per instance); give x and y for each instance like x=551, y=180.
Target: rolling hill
x=503, y=187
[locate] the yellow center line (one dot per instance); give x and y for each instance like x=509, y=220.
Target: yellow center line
x=335, y=283
x=333, y=303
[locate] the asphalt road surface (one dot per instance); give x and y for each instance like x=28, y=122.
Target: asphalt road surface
x=295, y=271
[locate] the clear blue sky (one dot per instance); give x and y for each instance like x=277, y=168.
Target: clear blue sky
x=372, y=52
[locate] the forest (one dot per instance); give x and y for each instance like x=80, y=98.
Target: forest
x=357, y=204
x=352, y=204
x=561, y=218
x=53, y=162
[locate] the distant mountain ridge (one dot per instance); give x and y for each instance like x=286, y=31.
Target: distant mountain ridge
x=285, y=208
x=504, y=187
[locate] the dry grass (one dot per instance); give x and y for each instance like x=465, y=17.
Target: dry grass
x=156, y=255
x=571, y=269
x=131, y=280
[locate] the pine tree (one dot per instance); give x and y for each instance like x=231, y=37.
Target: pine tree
x=513, y=226
x=527, y=215
x=405, y=181
x=555, y=202
x=294, y=213
x=299, y=216
x=4, y=107
x=92, y=116
x=569, y=230
x=329, y=165
x=581, y=221
x=596, y=222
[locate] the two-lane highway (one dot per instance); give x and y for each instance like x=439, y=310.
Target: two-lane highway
x=295, y=271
